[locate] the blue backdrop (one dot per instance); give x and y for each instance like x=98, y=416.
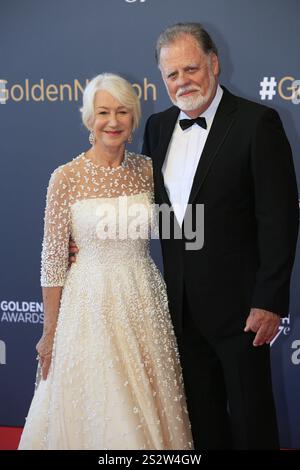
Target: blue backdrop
x=48, y=50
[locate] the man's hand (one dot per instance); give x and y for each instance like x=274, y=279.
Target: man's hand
x=265, y=324
x=73, y=250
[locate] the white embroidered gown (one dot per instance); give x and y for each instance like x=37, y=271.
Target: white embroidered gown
x=115, y=380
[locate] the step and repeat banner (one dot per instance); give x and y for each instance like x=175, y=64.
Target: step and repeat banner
x=48, y=52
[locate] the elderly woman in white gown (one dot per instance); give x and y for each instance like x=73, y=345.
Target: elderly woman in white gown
x=111, y=376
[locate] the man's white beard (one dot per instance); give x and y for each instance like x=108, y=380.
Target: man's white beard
x=193, y=102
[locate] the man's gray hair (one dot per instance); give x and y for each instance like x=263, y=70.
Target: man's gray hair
x=196, y=30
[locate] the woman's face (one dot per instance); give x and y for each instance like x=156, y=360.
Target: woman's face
x=112, y=123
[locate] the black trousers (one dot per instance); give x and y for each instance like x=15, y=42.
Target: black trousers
x=229, y=390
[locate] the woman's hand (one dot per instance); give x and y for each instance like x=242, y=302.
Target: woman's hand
x=44, y=349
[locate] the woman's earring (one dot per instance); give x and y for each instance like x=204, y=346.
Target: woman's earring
x=129, y=140
x=92, y=138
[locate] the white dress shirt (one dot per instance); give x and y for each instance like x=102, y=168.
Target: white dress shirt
x=183, y=156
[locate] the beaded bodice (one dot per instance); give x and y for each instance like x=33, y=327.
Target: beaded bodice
x=89, y=203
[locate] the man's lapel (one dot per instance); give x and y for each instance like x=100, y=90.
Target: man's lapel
x=223, y=120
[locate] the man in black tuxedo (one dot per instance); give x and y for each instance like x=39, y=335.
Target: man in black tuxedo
x=227, y=298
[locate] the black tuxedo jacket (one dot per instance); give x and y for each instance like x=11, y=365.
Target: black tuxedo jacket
x=246, y=181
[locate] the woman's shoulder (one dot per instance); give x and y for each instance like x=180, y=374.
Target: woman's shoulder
x=137, y=155
x=139, y=159
x=141, y=166
x=66, y=170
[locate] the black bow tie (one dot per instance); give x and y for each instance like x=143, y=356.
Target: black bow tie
x=186, y=123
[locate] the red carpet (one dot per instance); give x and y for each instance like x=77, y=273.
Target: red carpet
x=9, y=438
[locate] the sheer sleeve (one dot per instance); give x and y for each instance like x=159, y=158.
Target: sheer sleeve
x=57, y=226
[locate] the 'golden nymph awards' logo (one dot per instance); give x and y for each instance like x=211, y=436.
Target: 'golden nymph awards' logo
x=288, y=88
x=40, y=91
x=18, y=311
x=284, y=329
